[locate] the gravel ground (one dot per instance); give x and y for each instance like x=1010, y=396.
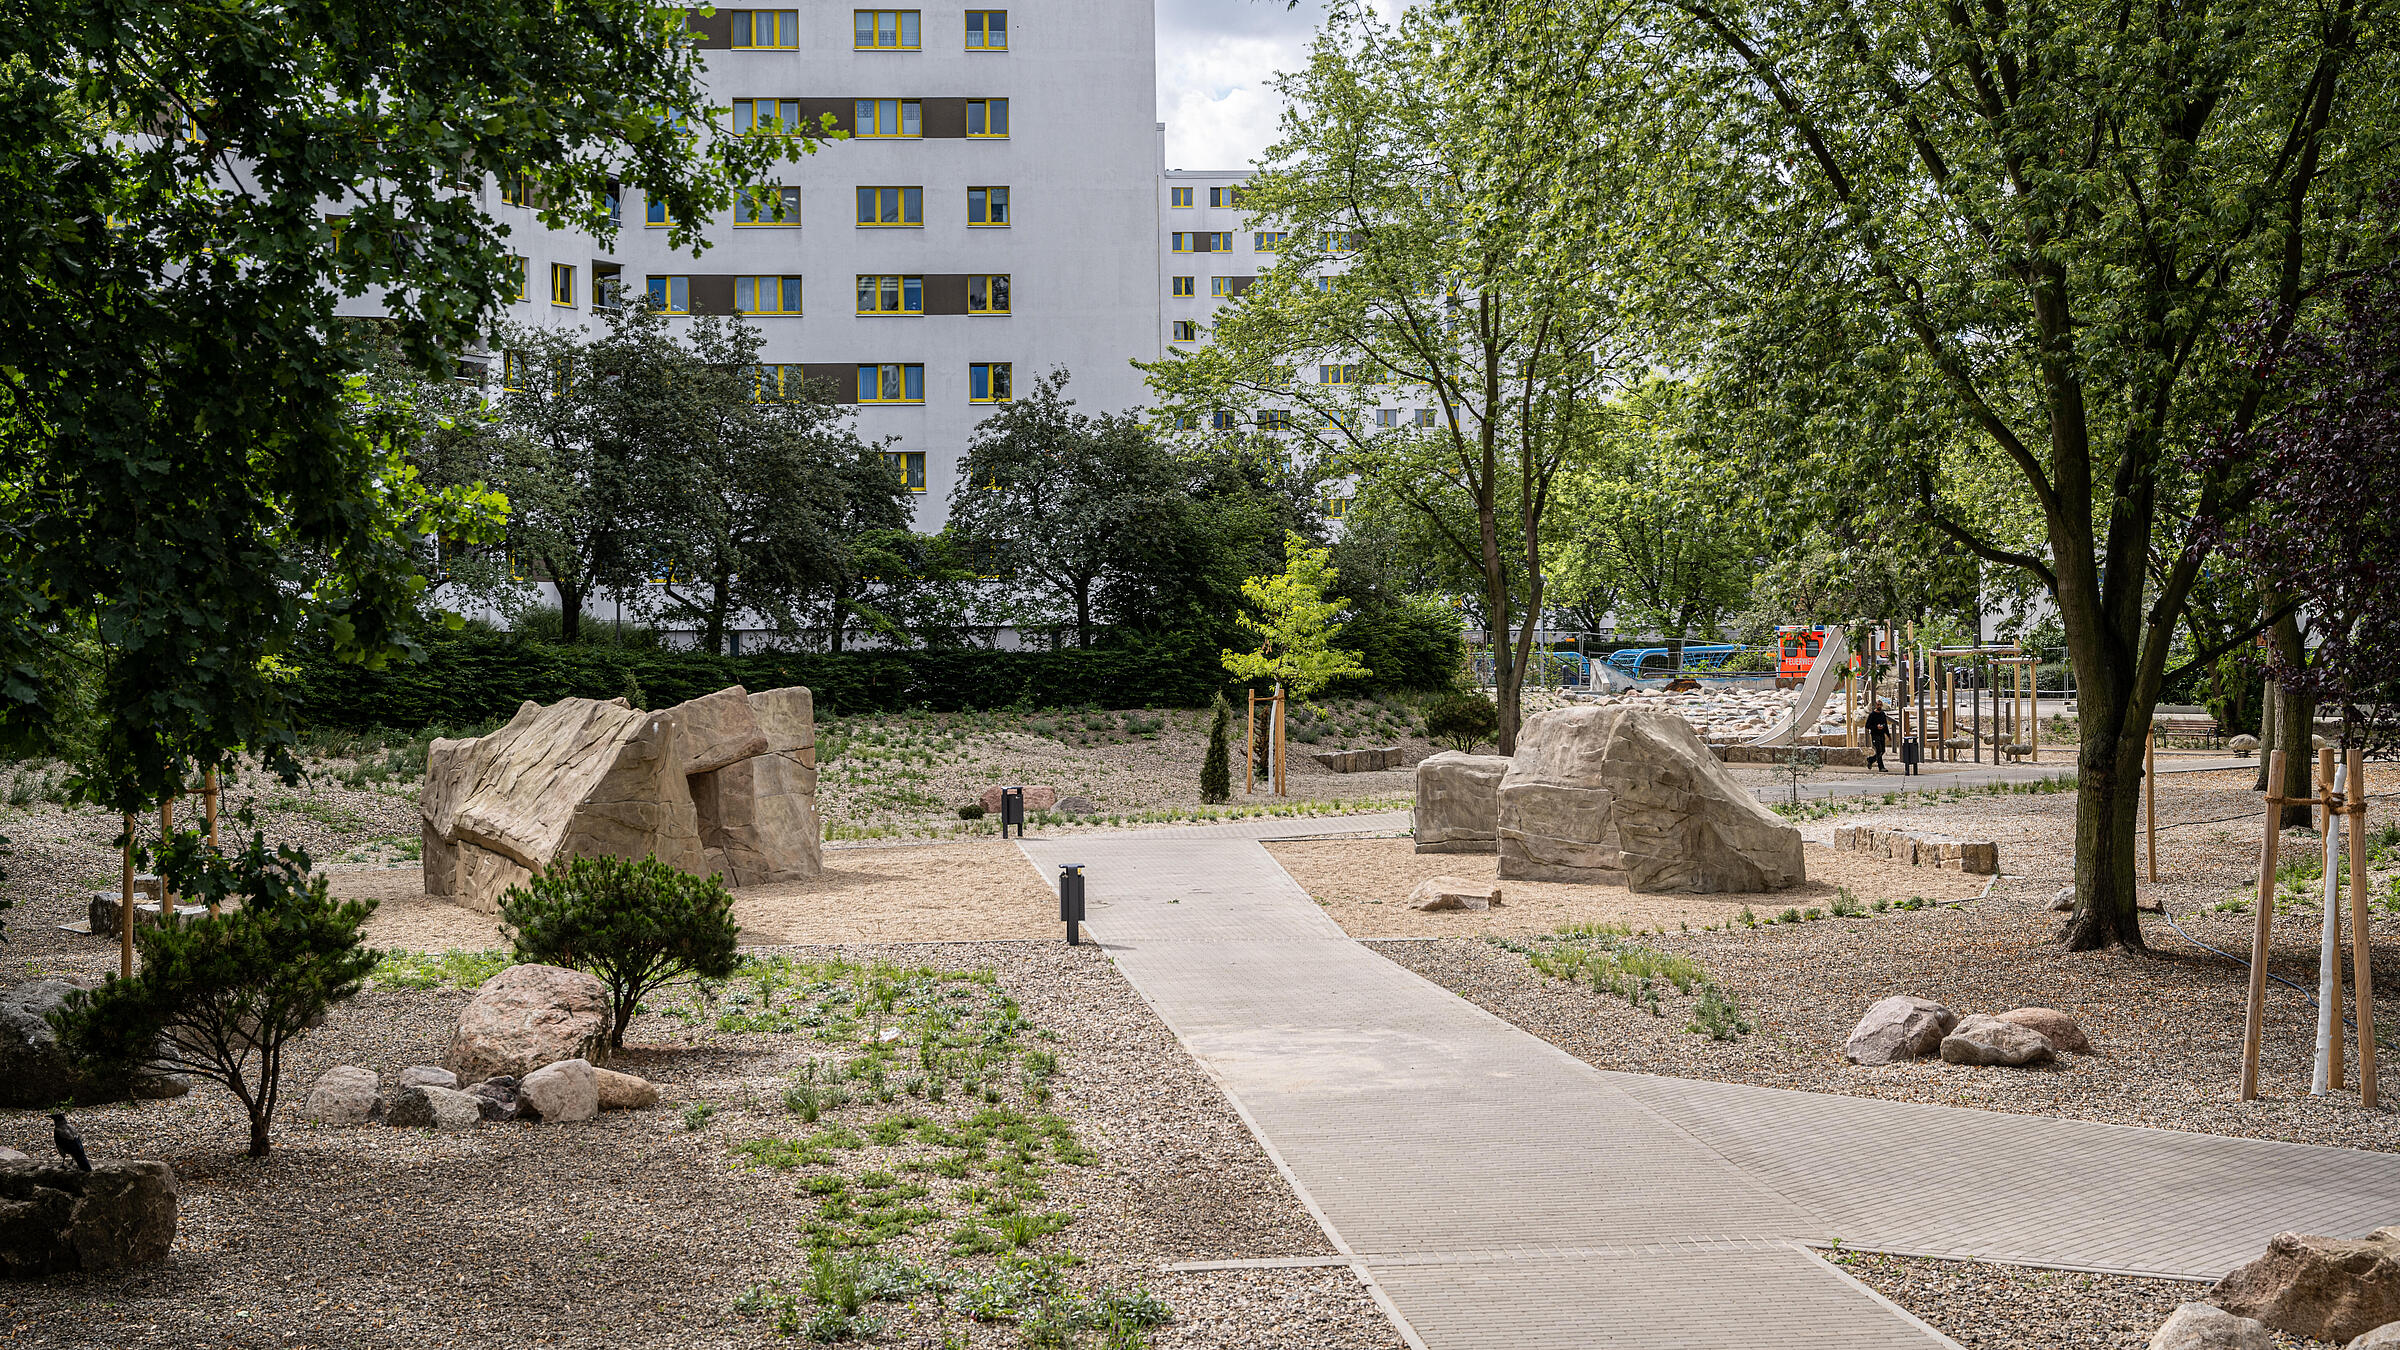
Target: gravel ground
x=634, y=1229
x=1994, y=1307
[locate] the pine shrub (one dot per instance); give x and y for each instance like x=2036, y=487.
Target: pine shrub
x=635, y=925
x=1216, y=771
x=1462, y=721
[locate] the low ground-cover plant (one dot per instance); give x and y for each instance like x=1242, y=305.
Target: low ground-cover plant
x=1604, y=957
x=436, y=970
x=636, y=925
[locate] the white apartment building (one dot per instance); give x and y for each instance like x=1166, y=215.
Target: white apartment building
x=993, y=216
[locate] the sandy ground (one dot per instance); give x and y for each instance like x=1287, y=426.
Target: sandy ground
x=970, y=891
x=1364, y=885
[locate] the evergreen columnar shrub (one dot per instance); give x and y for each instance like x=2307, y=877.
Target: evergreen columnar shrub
x=634, y=925
x=220, y=998
x=1216, y=771
x=1461, y=721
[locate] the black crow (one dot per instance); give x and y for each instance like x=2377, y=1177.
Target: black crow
x=70, y=1143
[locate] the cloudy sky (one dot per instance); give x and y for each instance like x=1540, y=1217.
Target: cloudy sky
x=1215, y=58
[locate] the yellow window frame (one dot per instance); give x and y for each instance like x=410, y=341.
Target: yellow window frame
x=770, y=295
x=981, y=30
x=988, y=113
x=906, y=119
x=787, y=204
x=886, y=294
x=782, y=25
x=562, y=284
x=989, y=293
x=869, y=28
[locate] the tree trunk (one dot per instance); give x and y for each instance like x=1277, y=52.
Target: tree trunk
x=570, y=609
x=258, y=1132
x=2295, y=725
x=1083, y=615
x=2108, y=799
x=838, y=623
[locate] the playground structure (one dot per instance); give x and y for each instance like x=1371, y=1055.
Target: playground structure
x=2341, y=791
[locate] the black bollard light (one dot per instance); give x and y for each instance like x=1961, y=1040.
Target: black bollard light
x=1070, y=900
x=1012, y=810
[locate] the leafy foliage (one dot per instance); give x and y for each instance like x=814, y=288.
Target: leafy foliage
x=636, y=925
x=221, y=998
x=1462, y=720
x=1294, y=624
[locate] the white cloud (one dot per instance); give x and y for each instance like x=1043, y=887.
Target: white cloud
x=1216, y=59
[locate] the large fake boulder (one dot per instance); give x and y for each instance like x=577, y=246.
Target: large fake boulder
x=1899, y=1027
x=1458, y=802
x=526, y=1017
x=2319, y=1288
x=566, y=1091
x=58, y=1219
x=2197, y=1326
x=724, y=783
x=1633, y=797
x=1980, y=1039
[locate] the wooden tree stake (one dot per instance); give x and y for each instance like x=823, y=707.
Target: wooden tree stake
x=125, y=908
x=208, y=803
x=2362, y=971
x=2262, y=931
x=2150, y=796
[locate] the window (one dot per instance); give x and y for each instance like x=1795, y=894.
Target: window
x=766, y=28
x=987, y=206
x=1274, y=419
x=515, y=190
x=1221, y=196
x=987, y=117
x=766, y=295
x=988, y=294
x=562, y=283
x=888, y=118
x=889, y=383
x=891, y=206
x=1186, y=330
x=1183, y=288
x=1387, y=417
x=774, y=384
x=992, y=382
x=1336, y=507
x=766, y=116
x=512, y=370
x=1179, y=196
x=671, y=295
x=1221, y=420
x=524, y=278
x=891, y=295
x=654, y=214
x=767, y=206
x=987, y=30
x=1203, y=242
x=910, y=464
x=1341, y=374
x=889, y=30
x=1424, y=417
x=1220, y=287
x=1267, y=241
x=1185, y=421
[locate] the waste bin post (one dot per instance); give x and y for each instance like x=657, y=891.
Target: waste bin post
x=1012, y=810
x=1070, y=900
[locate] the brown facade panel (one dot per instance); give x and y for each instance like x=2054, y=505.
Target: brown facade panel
x=712, y=295
x=943, y=118
x=838, y=382
x=946, y=293
x=715, y=30
x=845, y=113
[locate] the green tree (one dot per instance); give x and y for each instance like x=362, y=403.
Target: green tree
x=187, y=192
x=634, y=924
x=1294, y=624
x=1216, y=770
x=222, y=998
x=1973, y=262
x=1417, y=164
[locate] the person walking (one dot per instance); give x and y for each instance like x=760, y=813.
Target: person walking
x=1879, y=726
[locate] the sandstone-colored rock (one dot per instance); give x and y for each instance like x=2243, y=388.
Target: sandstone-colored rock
x=1435, y=894
x=788, y=719
x=1458, y=802
x=427, y=1075
x=1075, y=807
x=1369, y=760
x=718, y=729
x=1631, y=796
x=1899, y=1027
x=1982, y=1039
x=436, y=1108
x=1037, y=798
x=10, y=1155
x=2198, y=1326
x=623, y=1091
x=344, y=1095
x=2319, y=1288
x=565, y=1091
x=2385, y=1337
x=55, y=1219
x=2056, y=1027
x=2243, y=745
x=528, y=1016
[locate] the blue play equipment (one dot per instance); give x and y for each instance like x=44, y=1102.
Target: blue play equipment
x=1696, y=656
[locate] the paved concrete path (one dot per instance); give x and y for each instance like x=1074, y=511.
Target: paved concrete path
x=1495, y=1191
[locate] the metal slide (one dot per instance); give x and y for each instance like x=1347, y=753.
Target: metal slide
x=1824, y=678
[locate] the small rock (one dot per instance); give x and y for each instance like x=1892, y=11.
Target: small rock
x=2244, y=745
x=2056, y=1027
x=439, y=1108
x=2385, y=1337
x=60, y=1219
x=2319, y=1288
x=344, y=1095
x=2064, y=901
x=623, y=1091
x=427, y=1075
x=1899, y=1027
x=10, y=1155
x=1435, y=894
x=564, y=1091
x=1075, y=806
x=158, y=1085
x=2198, y=1326
x=1979, y=1039
x=528, y=1016
x=888, y=1035
x=496, y=1097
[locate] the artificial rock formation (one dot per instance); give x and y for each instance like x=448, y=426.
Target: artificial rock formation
x=724, y=784
x=1632, y=797
x=55, y=1219
x=1458, y=802
x=2320, y=1288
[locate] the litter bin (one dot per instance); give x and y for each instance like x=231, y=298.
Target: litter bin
x=1070, y=900
x=1012, y=810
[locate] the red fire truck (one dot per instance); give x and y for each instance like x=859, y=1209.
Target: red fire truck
x=1799, y=646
